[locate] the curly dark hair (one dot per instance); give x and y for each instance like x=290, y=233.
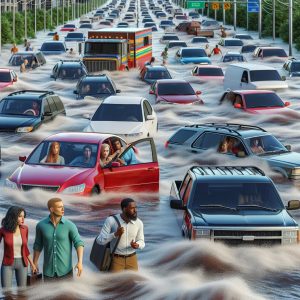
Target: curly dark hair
x=10, y=221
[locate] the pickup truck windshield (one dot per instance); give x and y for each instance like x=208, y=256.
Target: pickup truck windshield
x=264, y=75
x=259, y=196
x=102, y=48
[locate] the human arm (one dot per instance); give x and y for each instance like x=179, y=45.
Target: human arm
x=139, y=242
x=78, y=244
x=78, y=266
x=37, y=246
x=34, y=268
x=106, y=235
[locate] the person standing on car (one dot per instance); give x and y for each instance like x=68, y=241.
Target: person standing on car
x=55, y=235
x=131, y=234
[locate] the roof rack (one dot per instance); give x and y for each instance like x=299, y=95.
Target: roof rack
x=43, y=93
x=221, y=170
x=226, y=125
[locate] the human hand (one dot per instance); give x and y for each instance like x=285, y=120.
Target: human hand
x=134, y=245
x=34, y=269
x=79, y=268
x=119, y=232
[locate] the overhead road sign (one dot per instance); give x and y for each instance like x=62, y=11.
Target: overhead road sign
x=253, y=6
x=195, y=4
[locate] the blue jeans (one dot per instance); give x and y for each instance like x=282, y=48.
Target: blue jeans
x=7, y=273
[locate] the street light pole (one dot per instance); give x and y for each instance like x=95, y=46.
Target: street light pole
x=35, y=18
x=234, y=15
x=224, y=13
x=25, y=23
x=56, y=13
x=259, y=19
x=290, y=27
x=274, y=19
x=45, y=15
x=14, y=21
x=51, y=12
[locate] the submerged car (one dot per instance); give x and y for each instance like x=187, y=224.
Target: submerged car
x=152, y=73
x=68, y=27
x=53, y=47
x=235, y=205
x=242, y=141
x=270, y=52
x=192, y=55
x=175, y=91
x=208, y=73
x=229, y=42
x=233, y=57
x=80, y=171
x=69, y=70
x=75, y=37
x=25, y=111
x=168, y=37
x=98, y=86
x=35, y=58
x=7, y=77
x=131, y=118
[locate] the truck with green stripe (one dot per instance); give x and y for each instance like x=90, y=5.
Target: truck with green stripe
x=117, y=49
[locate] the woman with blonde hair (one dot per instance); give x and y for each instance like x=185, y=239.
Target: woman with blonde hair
x=53, y=156
x=104, y=155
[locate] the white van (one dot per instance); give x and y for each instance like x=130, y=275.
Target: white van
x=247, y=76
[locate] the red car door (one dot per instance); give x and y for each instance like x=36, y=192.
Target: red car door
x=141, y=172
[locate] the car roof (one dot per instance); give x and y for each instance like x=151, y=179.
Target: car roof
x=229, y=173
x=82, y=137
x=123, y=100
x=4, y=70
x=233, y=53
x=230, y=39
x=171, y=81
x=264, y=47
x=155, y=68
x=253, y=91
x=208, y=66
x=251, y=67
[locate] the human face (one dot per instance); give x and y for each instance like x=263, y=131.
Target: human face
x=87, y=153
x=56, y=149
x=131, y=211
x=104, y=152
x=58, y=209
x=21, y=218
x=117, y=145
x=34, y=105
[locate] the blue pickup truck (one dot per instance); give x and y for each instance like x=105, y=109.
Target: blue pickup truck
x=234, y=205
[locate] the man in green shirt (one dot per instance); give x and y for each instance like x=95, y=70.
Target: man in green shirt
x=55, y=234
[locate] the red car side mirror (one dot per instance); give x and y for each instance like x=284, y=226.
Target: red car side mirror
x=287, y=103
x=151, y=92
x=198, y=92
x=115, y=164
x=22, y=158
x=237, y=105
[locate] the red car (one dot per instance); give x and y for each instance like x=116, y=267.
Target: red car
x=208, y=73
x=175, y=91
x=72, y=174
x=255, y=101
x=68, y=27
x=7, y=77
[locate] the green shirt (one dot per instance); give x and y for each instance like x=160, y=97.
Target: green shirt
x=57, y=244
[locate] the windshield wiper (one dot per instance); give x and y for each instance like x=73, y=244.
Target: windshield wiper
x=273, y=152
x=255, y=206
x=217, y=206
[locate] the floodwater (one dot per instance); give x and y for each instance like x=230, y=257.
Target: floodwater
x=170, y=267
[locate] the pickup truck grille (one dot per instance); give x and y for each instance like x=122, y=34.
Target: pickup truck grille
x=233, y=233
x=47, y=188
x=100, y=65
x=240, y=242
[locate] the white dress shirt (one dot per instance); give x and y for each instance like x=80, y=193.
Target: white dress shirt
x=134, y=230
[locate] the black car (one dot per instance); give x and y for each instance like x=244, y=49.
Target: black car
x=25, y=111
x=35, y=59
x=86, y=26
x=69, y=69
x=99, y=86
x=152, y=73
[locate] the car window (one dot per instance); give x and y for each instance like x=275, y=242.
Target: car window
x=148, y=106
x=264, y=100
x=178, y=88
x=209, y=140
x=264, y=75
x=46, y=106
x=181, y=136
x=52, y=105
x=146, y=113
x=184, y=185
x=231, y=145
x=58, y=103
x=187, y=192
x=210, y=72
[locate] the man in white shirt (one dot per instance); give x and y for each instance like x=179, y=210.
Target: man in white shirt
x=131, y=233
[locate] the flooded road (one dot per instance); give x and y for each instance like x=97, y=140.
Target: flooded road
x=170, y=267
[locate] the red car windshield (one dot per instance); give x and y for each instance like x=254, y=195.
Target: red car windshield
x=210, y=72
x=5, y=77
x=263, y=100
x=70, y=154
x=177, y=88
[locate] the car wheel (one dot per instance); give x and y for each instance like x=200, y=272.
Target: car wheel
x=95, y=191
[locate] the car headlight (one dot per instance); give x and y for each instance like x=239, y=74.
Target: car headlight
x=296, y=171
x=24, y=129
x=74, y=189
x=289, y=237
x=10, y=184
x=201, y=233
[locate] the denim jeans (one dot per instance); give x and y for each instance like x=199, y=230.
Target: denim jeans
x=7, y=274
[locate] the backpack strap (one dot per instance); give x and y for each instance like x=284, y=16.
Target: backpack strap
x=118, y=240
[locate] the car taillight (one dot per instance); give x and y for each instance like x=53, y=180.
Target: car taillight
x=167, y=144
x=298, y=237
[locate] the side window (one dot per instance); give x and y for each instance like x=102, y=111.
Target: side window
x=51, y=104
x=139, y=153
x=146, y=40
x=46, y=106
x=153, y=87
x=198, y=142
x=211, y=140
x=195, y=70
x=184, y=185
x=145, y=111
x=245, y=77
x=149, y=108
x=187, y=192
x=58, y=103
x=231, y=145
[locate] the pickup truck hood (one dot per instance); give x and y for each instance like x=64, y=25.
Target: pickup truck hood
x=270, y=85
x=47, y=175
x=13, y=122
x=242, y=218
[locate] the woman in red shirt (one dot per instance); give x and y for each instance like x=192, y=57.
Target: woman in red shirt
x=16, y=254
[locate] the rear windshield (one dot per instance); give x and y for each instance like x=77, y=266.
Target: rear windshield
x=210, y=72
x=200, y=40
x=229, y=58
x=69, y=26
x=18, y=59
x=175, y=89
x=264, y=75
x=274, y=52
x=170, y=38
x=248, y=49
x=158, y=75
x=181, y=136
x=295, y=67
x=75, y=35
x=5, y=77
x=193, y=53
x=263, y=100
x=233, y=43
x=171, y=45
x=53, y=47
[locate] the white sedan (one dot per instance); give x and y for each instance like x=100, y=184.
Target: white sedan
x=131, y=118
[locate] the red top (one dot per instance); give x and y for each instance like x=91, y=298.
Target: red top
x=217, y=50
x=8, y=257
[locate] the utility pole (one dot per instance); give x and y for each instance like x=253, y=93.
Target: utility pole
x=224, y=13
x=25, y=23
x=290, y=27
x=56, y=13
x=274, y=19
x=35, y=18
x=234, y=15
x=45, y=15
x=260, y=19
x=14, y=20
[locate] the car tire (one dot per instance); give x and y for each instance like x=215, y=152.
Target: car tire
x=95, y=191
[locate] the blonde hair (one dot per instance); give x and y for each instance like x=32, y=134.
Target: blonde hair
x=51, y=157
